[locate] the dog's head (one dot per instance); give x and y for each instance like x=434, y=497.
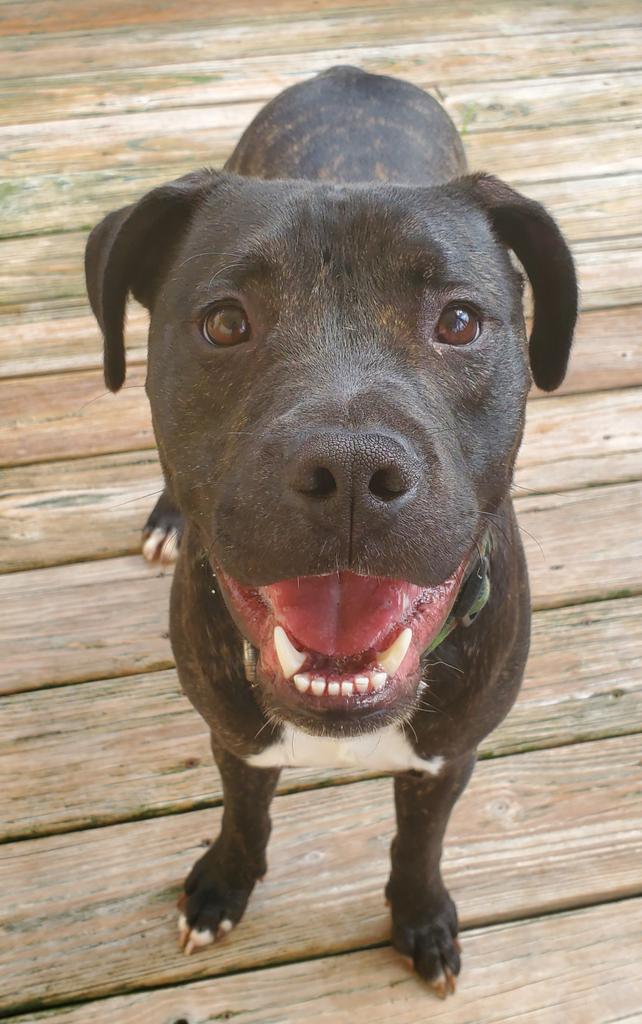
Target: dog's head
x=337, y=376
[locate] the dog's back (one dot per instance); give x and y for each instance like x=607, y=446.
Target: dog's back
x=347, y=125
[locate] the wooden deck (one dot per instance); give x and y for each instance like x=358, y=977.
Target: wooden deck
x=108, y=792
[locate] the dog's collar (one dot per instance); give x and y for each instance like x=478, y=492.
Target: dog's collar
x=473, y=595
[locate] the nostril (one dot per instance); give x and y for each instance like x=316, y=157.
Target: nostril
x=388, y=483
x=319, y=483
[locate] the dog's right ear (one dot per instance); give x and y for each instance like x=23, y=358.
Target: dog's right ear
x=129, y=251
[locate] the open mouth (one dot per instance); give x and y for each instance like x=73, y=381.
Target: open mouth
x=340, y=641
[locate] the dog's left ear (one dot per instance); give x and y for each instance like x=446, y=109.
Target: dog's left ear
x=525, y=227
x=129, y=251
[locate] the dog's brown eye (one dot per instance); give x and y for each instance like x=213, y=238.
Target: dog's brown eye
x=458, y=325
x=226, y=325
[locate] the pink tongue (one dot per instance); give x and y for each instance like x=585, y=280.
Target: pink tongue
x=340, y=614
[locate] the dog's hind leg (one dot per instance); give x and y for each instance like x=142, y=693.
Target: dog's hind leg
x=162, y=531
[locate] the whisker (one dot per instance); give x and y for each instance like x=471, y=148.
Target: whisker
x=139, y=497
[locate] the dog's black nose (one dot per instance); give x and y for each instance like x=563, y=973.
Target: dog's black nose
x=372, y=471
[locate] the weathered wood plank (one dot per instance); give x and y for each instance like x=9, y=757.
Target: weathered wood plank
x=107, y=896
x=57, y=512
x=478, y=97
x=50, y=16
x=87, y=508
x=607, y=351
x=197, y=135
x=29, y=347
x=46, y=417
x=521, y=972
x=578, y=543
x=93, y=620
x=42, y=272
x=85, y=621
x=266, y=49
x=67, y=195
x=149, y=750
x=581, y=440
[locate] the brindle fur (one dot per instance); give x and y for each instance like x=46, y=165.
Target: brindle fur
x=336, y=283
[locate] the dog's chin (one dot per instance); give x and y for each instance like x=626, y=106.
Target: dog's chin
x=340, y=653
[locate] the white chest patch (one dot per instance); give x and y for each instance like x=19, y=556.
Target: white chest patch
x=387, y=750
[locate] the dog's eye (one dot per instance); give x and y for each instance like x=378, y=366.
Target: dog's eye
x=458, y=325
x=226, y=325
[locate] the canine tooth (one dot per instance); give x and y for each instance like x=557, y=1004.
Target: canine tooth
x=302, y=682
x=334, y=689
x=290, y=659
x=318, y=687
x=391, y=659
x=378, y=680
x=347, y=689
x=362, y=683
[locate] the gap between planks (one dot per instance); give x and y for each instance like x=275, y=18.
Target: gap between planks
x=78, y=175
x=72, y=17
x=511, y=852
x=570, y=442
x=607, y=348
x=43, y=274
x=544, y=962
x=477, y=101
x=72, y=415
x=96, y=620
x=582, y=683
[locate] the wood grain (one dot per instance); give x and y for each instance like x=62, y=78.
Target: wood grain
x=149, y=750
x=98, y=103
x=581, y=441
x=74, y=194
x=107, y=895
x=50, y=16
x=607, y=350
x=471, y=83
x=93, y=620
x=523, y=972
x=95, y=507
x=64, y=415
x=57, y=512
x=44, y=274
x=70, y=415
x=30, y=346
x=80, y=169
x=87, y=621
x=269, y=51
x=579, y=543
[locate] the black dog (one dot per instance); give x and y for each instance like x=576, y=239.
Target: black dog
x=338, y=371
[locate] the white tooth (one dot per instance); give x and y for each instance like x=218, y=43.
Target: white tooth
x=318, y=687
x=391, y=659
x=361, y=683
x=302, y=682
x=334, y=689
x=347, y=689
x=289, y=658
x=378, y=680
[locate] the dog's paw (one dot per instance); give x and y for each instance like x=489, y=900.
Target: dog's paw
x=428, y=941
x=191, y=938
x=161, y=545
x=211, y=904
x=162, y=532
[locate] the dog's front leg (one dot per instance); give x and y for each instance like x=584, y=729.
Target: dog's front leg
x=219, y=885
x=424, y=917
